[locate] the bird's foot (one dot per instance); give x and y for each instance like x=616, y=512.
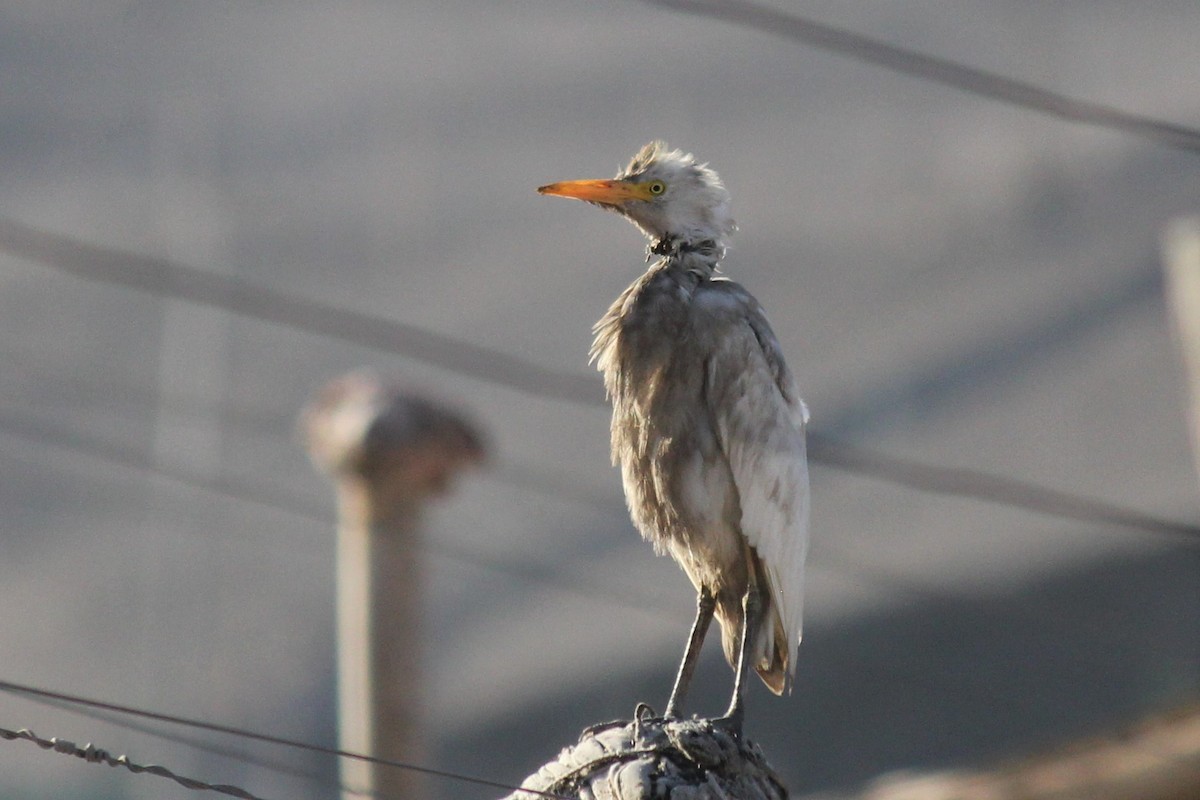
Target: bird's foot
x=731, y=723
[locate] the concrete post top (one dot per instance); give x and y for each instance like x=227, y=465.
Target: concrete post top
x=359, y=429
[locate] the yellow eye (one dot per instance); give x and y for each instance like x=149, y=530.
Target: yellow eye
x=657, y=187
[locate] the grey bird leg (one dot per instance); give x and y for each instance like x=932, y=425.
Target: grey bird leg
x=752, y=611
x=705, y=604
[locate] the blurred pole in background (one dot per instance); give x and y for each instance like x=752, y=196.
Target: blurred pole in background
x=388, y=453
x=1181, y=260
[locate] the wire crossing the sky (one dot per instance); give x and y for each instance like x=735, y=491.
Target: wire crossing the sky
x=167, y=278
x=22, y=689
x=936, y=70
x=969, y=483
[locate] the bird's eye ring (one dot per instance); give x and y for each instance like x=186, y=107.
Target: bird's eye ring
x=657, y=187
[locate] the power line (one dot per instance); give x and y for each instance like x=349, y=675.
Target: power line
x=22, y=689
x=936, y=70
x=170, y=279
x=988, y=488
x=166, y=278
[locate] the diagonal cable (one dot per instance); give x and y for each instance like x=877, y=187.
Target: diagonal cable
x=988, y=488
x=936, y=70
x=170, y=279
x=167, y=278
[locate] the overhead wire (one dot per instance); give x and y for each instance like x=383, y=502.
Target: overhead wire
x=167, y=278
x=934, y=69
x=282, y=741
x=986, y=487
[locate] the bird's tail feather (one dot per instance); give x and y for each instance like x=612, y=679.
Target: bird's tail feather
x=771, y=653
x=774, y=669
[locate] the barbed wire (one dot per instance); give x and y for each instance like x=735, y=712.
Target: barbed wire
x=278, y=767
x=243, y=733
x=934, y=69
x=94, y=755
x=166, y=278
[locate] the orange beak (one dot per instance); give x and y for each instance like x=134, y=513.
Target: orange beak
x=608, y=192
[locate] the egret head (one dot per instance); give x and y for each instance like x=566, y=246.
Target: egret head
x=665, y=193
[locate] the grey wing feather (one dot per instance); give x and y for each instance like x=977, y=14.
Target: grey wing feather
x=760, y=419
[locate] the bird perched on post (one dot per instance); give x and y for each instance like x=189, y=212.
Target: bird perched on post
x=707, y=424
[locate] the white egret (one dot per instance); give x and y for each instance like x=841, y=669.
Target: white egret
x=707, y=425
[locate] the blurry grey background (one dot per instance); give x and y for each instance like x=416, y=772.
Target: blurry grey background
x=952, y=279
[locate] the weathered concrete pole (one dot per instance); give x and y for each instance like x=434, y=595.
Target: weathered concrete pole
x=1181, y=262
x=388, y=452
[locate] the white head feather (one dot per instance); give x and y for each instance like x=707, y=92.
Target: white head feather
x=694, y=206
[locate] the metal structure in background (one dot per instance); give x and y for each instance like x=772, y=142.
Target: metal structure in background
x=388, y=453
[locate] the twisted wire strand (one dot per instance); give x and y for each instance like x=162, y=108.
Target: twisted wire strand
x=94, y=755
x=243, y=733
x=278, y=767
